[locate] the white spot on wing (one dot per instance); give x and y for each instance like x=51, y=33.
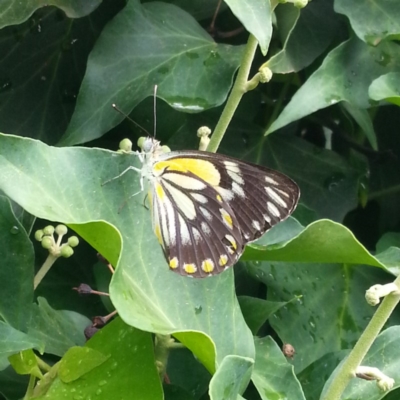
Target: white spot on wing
x=238, y=189
x=196, y=235
x=275, y=196
x=206, y=214
x=273, y=209
x=205, y=228
x=236, y=177
x=182, y=202
x=187, y=182
x=200, y=198
x=282, y=192
x=267, y=218
x=232, y=166
x=256, y=225
x=270, y=180
x=184, y=231
x=226, y=194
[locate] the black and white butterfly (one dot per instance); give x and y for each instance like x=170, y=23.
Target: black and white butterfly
x=206, y=207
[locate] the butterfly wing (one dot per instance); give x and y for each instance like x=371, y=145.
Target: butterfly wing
x=206, y=207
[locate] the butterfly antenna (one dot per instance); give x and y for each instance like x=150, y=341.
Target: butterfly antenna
x=114, y=106
x=155, y=110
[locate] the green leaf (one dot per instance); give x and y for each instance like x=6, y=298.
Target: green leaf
x=140, y=48
x=273, y=375
x=313, y=377
x=25, y=363
x=363, y=119
x=257, y=311
x=125, y=367
x=145, y=292
x=384, y=354
x=304, y=33
x=16, y=272
x=182, y=360
x=386, y=87
x=13, y=341
x=256, y=18
x=14, y=12
x=59, y=330
x=345, y=75
x=231, y=378
x=78, y=361
x=331, y=313
x=389, y=239
x=43, y=64
x=322, y=241
x=372, y=22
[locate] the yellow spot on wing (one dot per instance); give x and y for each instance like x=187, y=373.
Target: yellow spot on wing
x=202, y=168
x=157, y=231
x=227, y=218
x=223, y=259
x=160, y=191
x=219, y=198
x=173, y=263
x=189, y=268
x=207, y=266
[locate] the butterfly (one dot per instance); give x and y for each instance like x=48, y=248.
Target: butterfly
x=207, y=206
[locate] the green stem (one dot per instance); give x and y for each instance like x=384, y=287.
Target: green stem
x=44, y=269
x=348, y=368
x=42, y=365
x=31, y=385
x=238, y=90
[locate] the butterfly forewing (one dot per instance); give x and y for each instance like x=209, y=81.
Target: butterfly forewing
x=207, y=206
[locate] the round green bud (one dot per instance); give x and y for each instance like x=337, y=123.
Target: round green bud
x=140, y=142
x=47, y=242
x=125, y=145
x=300, y=3
x=48, y=230
x=61, y=229
x=66, y=251
x=39, y=235
x=165, y=149
x=73, y=241
x=265, y=74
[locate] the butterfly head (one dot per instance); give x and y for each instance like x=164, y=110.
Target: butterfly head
x=152, y=147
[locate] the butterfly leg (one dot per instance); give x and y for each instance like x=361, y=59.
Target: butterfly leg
x=123, y=173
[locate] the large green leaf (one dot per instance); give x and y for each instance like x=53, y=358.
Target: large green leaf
x=345, y=75
x=140, y=48
x=42, y=65
x=123, y=371
x=373, y=21
x=65, y=184
x=16, y=272
x=304, y=33
x=384, y=354
x=331, y=311
x=14, y=12
x=386, y=87
x=256, y=17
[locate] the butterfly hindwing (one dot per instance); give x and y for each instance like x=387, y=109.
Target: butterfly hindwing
x=195, y=225
x=206, y=207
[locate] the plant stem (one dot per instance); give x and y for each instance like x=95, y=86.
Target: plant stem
x=44, y=269
x=31, y=385
x=238, y=90
x=354, y=359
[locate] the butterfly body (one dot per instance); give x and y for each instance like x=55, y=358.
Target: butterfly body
x=206, y=207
